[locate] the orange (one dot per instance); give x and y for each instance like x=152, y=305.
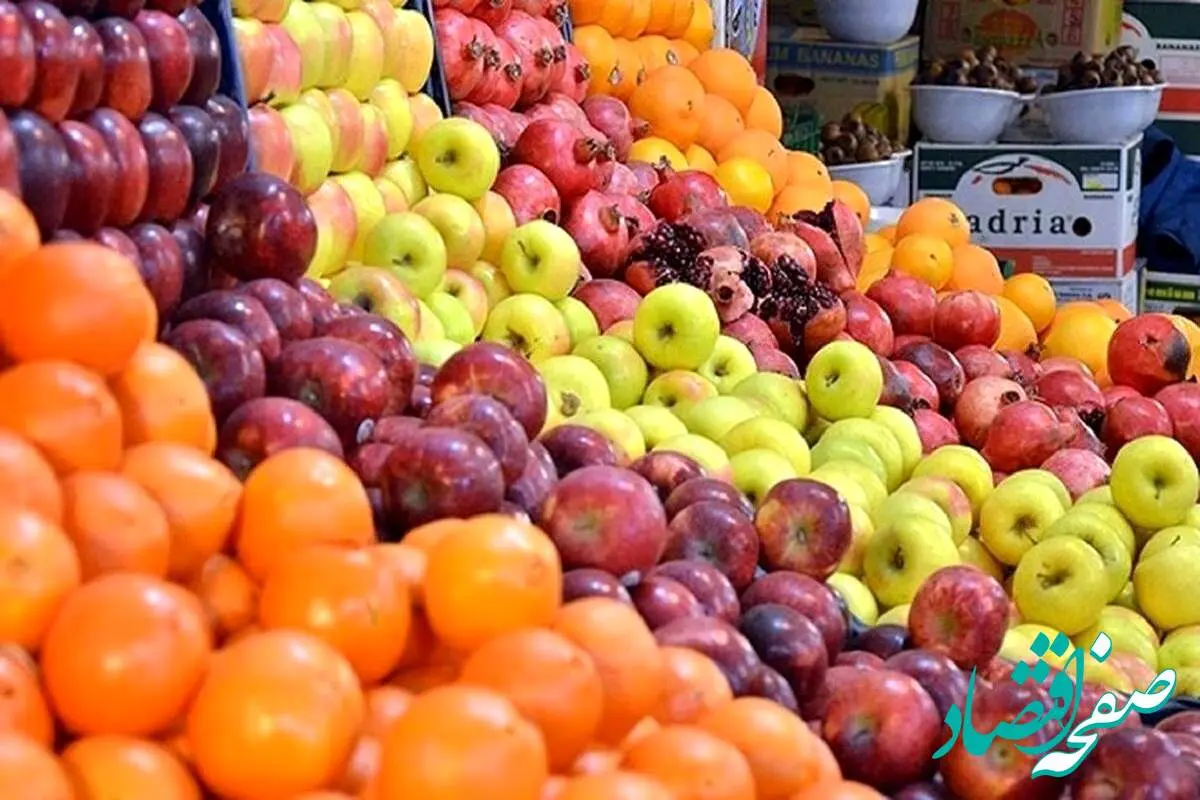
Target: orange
x=598, y=48
x=162, y=399
x=1016, y=331
x=692, y=684
x=199, y=495
x=700, y=160
x=426, y=537
x=925, y=257
x=229, y=597
x=975, y=268
x=1115, y=309
x=935, y=216
x=682, y=14
x=1034, y=295
x=630, y=70
x=586, y=12
x=853, y=195
x=671, y=100
x=654, y=150
x=747, y=183
x=77, y=301
x=839, y=790
x=685, y=52
x=614, y=786
x=721, y=123
x=495, y=753
x=124, y=655
x=726, y=72
x=128, y=768
x=693, y=764
x=794, y=199
x=406, y=563
x=656, y=51
x=888, y=233
x=699, y=30
x=23, y=708
x=764, y=113
x=636, y=18
x=495, y=562
x=115, y=525
x=763, y=148
x=297, y=497
x=1082, y=335
x=28, y=769
x=18, y=232
x=661, y=12
x=805, y=169
x=27, y=479
x=40, y=568
x=65, y=410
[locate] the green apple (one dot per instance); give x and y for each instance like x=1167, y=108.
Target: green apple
x=1170, y=537
x=1129, y=632
x=1118, y=563
x=676, y=327
x=964, y=466
x=404, y=173
x=1180, y=649
x=1113, y=518
x=1101, y=494
x=1127, y=598
x=1154, y=482
x=621, y=365
x=829, y=450
x=380, y=292
x=619, y=428
x=541, y=258
x=904, y=552
x=895, y=616
x=1165, y=585
x=949, y=497
x=574, y=386
x=312, y=143
x=844, y=380
x=1192, y=517
x=305, y=30
x=409, y=246
x=1014, y=517
x=678, y=388
x=815, y=430
x=755, y=472
x=366, y=66
x=705, y=452
x=656, y=423
x=368, y=207
x=714, y=417
x=492, y=280
x=456, y=320
x=435, y=352
x=861, y=531
x=392, y=101
x=1028, y=633
x=498, y=223
x=879, y=439
x=529, y=324
x=1061, y=582
x=857, y=597
x=458, y=223
x=336, y=33
x=470, y=292
x=622, y=330
x=902, y=427
x=580, y=320
x=782, y=396
x=912, y=505
x=773, y=434
x=973, y=553
x=729, y=363
x=872, y=487
x=431, y=325
x=1045, y=477
x=458, y=156
x=845, y=484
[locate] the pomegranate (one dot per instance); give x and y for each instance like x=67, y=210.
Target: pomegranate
x=1065, y=362
x=1182, y=402
x=508, y=124
x=751, y=331
x=963, y=318
x=1079, y=470
x=611, y=116
x=768, y=247
x=493, y=12
x=543, y=9
x=1083, y=437
x=529, y=192
x=730, y=271
x=868, y=323
x=752, y=222
x=1133, y=418
x=463, y=51
x=558, y=46
x=534, y=52
x=718, y=227
x=835, y=235
x=1115, y=394
x=596, y=225
x=1072, y=390
x=980, y=403
x=681, y=193
x=772, y=359
x=1148, y=353
x=895, y=387
x=563, y=155
x=638, y=218
x=934, y=429
x=921, y=387
x=978, y=360
x=463, y=6
x=940, y=365
x=477, y=114
x=504, y=89
x=567, y=108
x=575, y=76
x=1023, y=435
x=609, y=301
x=1025, y=370
x=647, y=178
x=613, y=177
x=910, y=303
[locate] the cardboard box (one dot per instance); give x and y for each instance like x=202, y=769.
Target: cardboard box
x=1172, y=293
x=816, y=80
x=1169, y=33
x=1063, y=211
x=1035, y=33
x=1126, y=290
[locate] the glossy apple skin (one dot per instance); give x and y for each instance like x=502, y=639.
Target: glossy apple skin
x=286, y=306
x=574, y=447
x=540, y=475
x=661, y=600
x=610, y=301
x=714, y=591
x=883, y=641
x=10, y=171
x=341, y=380
x=90, y=86
x=121, y=8
x=810, y=598
x=260, y=227
x=170, y=51
x=960, y=612
x=206, y=57
x=44, y=169
x=492, y=422
x=720, y=641
x=191, y=245
x=267, y=425
x=171, y=169
x=93, y=177
x=719, y=534
x=367, y=460
x=770, y=685
x=387, y=342
x=438, y=473
x=234, y=127
x=666, y=471
x=119, y=241
x=204, y=144
x=227, y=360
x=495, y=370
x=697, y=490
x=128, y=88
x=133, y=166
x=57, y=59
x=239, y=310
x=587, y=582
x=925, y=790
x=390, y=429
x=788, y=643
x=940, y=677
x=18, y=57
x=160, y=261
x=804, y=526
x=605, y=517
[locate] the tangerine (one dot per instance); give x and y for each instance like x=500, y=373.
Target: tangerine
x=1016, y=331
x=671, y=101
x=975, y=268
x=23, y=708
x=27, y=479
x=128, y=768
x=759, y=146
x=27, y=769
x=19, y=235
x=692, y=763
x=616, y=785
x=1115, y=309
x=685, y=52
x=629, y=70
x=228, y=595
x=726, y=72
x=41, y=569
x=924, y=257
x=654, y=150
x=839, y=790
x=1082, y=335
x=746, y=183
x=115, y=525
x=700, y=160
x=852, y=195
x=692, y=685
x=598, y=47
x=162, y=399
x=1034, y=295
x=764, y=113
x=796, y=198
x=722, y=121
x=806, y=169
x=935, y=216
x=698, y=31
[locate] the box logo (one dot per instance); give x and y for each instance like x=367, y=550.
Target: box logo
x=1021, y=190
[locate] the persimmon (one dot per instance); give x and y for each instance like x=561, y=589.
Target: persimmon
x=40, y=567
x=27, y=479
x=23, y=708
x=162, y=399
x=115, y=525
x=128, y=768
x=693, y=763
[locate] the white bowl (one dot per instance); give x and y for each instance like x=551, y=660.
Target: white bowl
x=867, y=21
x=963, y=114
x=1112, y=115
x=879, y=179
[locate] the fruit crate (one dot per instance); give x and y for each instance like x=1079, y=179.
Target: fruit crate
x=220, y=15
x=435, y=87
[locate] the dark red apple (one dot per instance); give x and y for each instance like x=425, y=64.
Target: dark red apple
x=90, y=87
x=1133, y=418
x=191, y=246
x=707, y=584
x=863, y=659
x=1135, y=763
x=171, y=169
x=121, y=8
x=1148, y=353
x=718, y=640
x=574, y=447
x=1079, y=470
x=204, y=143
x=437, y=473
x=58, y=60
x=133, y=166
x=160, y=261
x=697, y=490
x=228, y=362
x=119, y=241
x=495, y=370
x=925, y=790
x=170, y=51
x=717, y=533
x=391, y=429
x=10, y=171
x=260, y=227
x=661, y=600
x=231, y=121
x=206, y=56
x=813, y=710
x=1182, y=404
x=127, y=83
x=1185, y=722
x=587, y=582
x=241, y=311
x=286, y=306
x=605, y=517
x=44, y=168
x=939, y=364
x=539, y=476
x=666, y=470
x=961, y=612
x=609, y=301
x=267, y=425
x=387, y=342
x=491, y=421
x=804, y=526
x=940, y=677
x=909, y=303
x=883, y=641
x=18, y=57
x=172, y=7
x=790, y=644
x=368, y=461
x=810, y=598
x=341, y=380
x=93, y=177
x=770, y=685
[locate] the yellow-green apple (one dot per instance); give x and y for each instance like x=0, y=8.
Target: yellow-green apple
x=284, y=82
x=409, y=246
x=574, y=386
x=815, y=430
x=312, y=144
x=459, y=156
x=757, y=471
x=677, y=388
x=862, y=529
x=676, y=327
x=379, y=292
x=338, y=43
x=580, y=320
x=498, y=223
x=529, y=324
x=492, y=280
x=705, y=452
x=393, y=37
x=714, y=417
x=1114, y=519
x=871, y=485
x=256, y=53
x=964, y=466
x=1127, y=598
x=1180, y=649
x=903, y=504
x=1170, y=537
x=897, y=615
x=844, y=484
x=271, y=144
x=826, y=451
x=305, y=29
x=272, y=10
x=901, y=426
x=961, y=613
x=1101, y=494
x=318, y=100
x=619, y=428
x=1165, y=586
x=843, y=380
x=368, y=207
x=1118, y=562
x=781, y=395
x=1045, y=477
x=351, y=130
x=1192, y=517
x=729, y=363
x=1129, y=632
x=470, y=292
x=541, y=258
x=1154, y=482
x=375, y=141
x=656, y=423
x=773, y=434
x=425, y=113
x=394, y=201
x=389, y=97
x=879, y=438
x=1061, y=582
x=460, y=226
x=856, y=596
x=973, y=553
x=431, y=326
x=366, y=54
x=404, y=173
x=246, y=8
x=949, y=497
x=901, y=554
x=435, y=352
x=1014, y=517
x=456, y=321
x=416, y=43
x=337, y=225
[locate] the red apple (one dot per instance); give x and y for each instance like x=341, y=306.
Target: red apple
x=10, y=171
x=121, y=8
x=18, y=57
x=804, y=526
x=90, y=87
x=228, y=362
x=286, y=306
x=867, y=322
x=342, y=381
x=259, y=227
x=718, y=640
x=206, y=57
x=789, y=643
x=488, y=419
x=172, y=7
x=540, y=475
x=119, y=241
x=271, y=146
x=391, y=429
x=661, y=600
x=128, y=88
x=940, y=677
x=881, y=641
x=574, y=447
x=960, y=612
x=44, y=169
x=770, y=685
x=234, y=128
x=587, y=582
x=256, y=53
x=170, y=51
x=714, y=591
x=1182, y=404
x=204, y=144
x=1135, y=762
x=437, y=473
x=267, y=425
x=716, y=533
x=93, y=177
x=495, y=370
x=700, y=489
x=1133, y=418
x=609, y=301
x=191, y=247
x=666, y=470
x=368, y=461
x=1148, y=353
x=284, y=79
x=1079, y=470
x=934, y=430
x=925, y=790
x=133, y=166
x=171, y=169
x=861, y=659
x=58, y=60
x=909, y=303
x=241, y=311
x=160, y=261
x=810, y=598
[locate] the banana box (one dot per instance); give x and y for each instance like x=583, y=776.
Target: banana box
x=1169, y=33
x=1126, y=289
x=1172, y=293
